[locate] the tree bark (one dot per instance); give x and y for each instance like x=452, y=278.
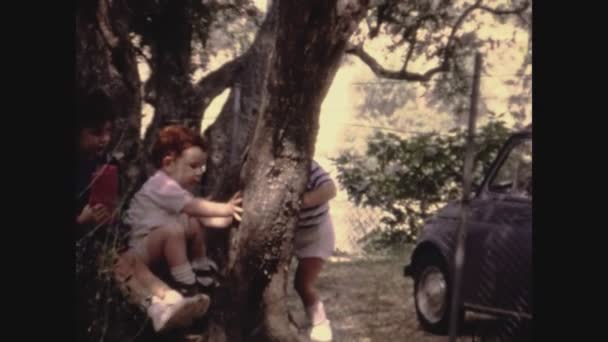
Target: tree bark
x=309, y=43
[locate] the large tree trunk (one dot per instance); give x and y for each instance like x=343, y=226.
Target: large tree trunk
x=171, y=40
x=310, y=41
x=169, y=88
x=232, y=131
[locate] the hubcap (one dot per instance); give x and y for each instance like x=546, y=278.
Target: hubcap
x=431, y=294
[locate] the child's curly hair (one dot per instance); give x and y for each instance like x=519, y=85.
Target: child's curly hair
x=174, y=139
x=93, y=109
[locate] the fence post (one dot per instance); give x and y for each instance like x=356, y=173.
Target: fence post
x=459, y=256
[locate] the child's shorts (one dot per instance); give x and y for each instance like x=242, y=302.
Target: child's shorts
x=315, y=242
x=138, y=242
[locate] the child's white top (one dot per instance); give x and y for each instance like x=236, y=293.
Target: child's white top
x=159, y=202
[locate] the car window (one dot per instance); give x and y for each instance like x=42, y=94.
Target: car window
x=514, y=177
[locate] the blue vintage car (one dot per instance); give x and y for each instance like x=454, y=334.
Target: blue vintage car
x=497, y=277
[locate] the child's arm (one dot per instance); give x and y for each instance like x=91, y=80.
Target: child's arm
x=207, y=209
x=202, y=207
x=97, y=214
x=320, y=195
x=216, y=221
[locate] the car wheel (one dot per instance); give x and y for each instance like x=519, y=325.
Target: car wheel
x=432, y=294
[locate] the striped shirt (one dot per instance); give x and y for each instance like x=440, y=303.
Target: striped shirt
x=313, y=216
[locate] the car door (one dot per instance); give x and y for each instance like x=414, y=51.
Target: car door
x=503, y=212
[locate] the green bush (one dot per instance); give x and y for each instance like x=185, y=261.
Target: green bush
x=409, y=179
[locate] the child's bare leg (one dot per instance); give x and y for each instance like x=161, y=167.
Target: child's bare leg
x=130, y=285
x=305, y=280
x=136, y=280
x=169, y=243
x=165, y=307
x=156, y=286
x=195, y=234
x=204, y=268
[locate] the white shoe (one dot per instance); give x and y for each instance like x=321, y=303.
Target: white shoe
x=178, y=314
x=321, y=332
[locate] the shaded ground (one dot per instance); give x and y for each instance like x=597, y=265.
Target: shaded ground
x=367, y=299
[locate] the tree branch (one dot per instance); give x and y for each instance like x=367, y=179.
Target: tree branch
x=380, y=71
x=449, y=46
x=142, y=54
x=518, y=10
x=410, y=36
x=477, y=5
x=104, y=23
x=213, y=84
x=390, y=74
x=410, y=52
x=409, y=76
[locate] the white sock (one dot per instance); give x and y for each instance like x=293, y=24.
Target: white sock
x=204, y=263
x=316, y=313
x=183, y=273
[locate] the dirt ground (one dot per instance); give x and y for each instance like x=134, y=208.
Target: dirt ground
x=368, y=299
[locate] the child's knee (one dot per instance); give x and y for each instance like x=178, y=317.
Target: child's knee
x=175, y=230
x=194, y=229
x=157, y=240
x=193, y=225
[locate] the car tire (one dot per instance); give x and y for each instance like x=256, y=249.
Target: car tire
x=432, y=294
